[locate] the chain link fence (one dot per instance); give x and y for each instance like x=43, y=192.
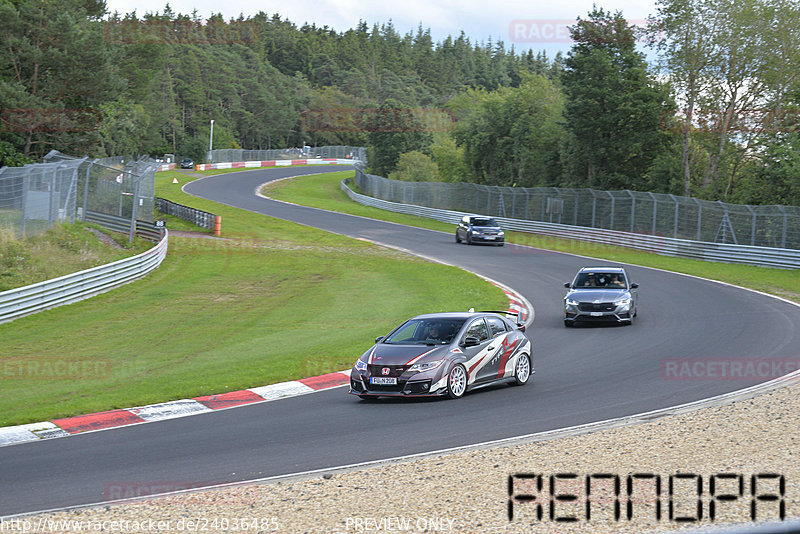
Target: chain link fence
x=237, y=154
x=64, y=188
x=627, y=211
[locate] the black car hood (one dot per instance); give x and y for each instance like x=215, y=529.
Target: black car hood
x=386, y=354
x=599, y=294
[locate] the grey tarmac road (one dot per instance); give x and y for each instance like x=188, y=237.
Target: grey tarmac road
x=583, y=375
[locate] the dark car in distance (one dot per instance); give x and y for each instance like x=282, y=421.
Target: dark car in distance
x=601, y=294
x=444, y=354
x=187, y=163
x=479, y=229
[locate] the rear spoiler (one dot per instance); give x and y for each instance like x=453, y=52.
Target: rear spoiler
x=520, y=324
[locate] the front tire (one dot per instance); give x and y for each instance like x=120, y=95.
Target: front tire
x=458, y=239
x=457, y=381
x=469, y=240
x=523, y=370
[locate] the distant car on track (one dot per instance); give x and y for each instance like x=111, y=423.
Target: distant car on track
x=444, y=354
x=601, y=294
x=187, y=164
x=480, y=229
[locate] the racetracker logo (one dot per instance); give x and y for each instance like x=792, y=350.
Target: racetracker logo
x=42, y=120
x=727, y=369
x=54, y=369
x=180, y=32
x=377, y=120
x=549, y=30
x=163, y=490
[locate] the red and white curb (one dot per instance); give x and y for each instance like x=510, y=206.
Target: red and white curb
x=273, y=163
x=168, y=410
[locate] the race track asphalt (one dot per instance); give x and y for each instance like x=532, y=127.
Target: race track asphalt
x=582, y=375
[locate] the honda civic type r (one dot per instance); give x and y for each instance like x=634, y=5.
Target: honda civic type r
x=444, y=354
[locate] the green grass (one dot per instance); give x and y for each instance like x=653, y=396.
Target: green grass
x=322, y=191
x=222, y=315
x=60, y=250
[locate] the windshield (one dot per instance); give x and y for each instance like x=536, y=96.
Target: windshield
x=425, y=332
x=600, y=279
x=484, y=221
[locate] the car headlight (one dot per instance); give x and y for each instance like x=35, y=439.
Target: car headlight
x=622, y=302
x=361, y=365
x=571, y=302
x=425, y=366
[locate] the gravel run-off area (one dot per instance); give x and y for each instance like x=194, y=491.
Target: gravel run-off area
x=468, y=491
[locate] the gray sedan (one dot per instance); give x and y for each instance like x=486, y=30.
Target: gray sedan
x=600, y=294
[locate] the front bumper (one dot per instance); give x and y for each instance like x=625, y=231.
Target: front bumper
x=489, y=239
x=418, y=385
x=603, y=314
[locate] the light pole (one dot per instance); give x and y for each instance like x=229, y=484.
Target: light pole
x=211, y=140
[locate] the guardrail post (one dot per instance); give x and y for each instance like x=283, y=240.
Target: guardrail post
x=675, y=228
x=655, y=209
x=217, y=225
x=633, y=207
x=699, y=217
x=753, y=224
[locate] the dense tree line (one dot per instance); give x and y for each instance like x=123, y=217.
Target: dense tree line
x=716, y=117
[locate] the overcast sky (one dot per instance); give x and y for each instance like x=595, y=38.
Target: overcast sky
x=525, y=24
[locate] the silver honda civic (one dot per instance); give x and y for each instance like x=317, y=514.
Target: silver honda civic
x=600, y=294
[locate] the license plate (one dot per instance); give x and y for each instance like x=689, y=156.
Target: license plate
x=383, y=381
x=596, y=314
x=490, y=237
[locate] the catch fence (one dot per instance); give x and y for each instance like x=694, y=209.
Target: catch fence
x=37, y=196
x=633, y=212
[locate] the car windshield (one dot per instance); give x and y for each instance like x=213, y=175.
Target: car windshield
x=484, y=221
x=426, y=332
x=600, y=279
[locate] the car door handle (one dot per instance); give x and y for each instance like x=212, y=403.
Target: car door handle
x=490, y=348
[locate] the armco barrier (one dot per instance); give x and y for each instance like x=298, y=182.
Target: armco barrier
x=274, y=163
x=200, y=218
x=667, y=246
x=16, y=303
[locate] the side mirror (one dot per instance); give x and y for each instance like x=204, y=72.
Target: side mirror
x=378, y=339
x=634, y=285
x=471, y=341
x=568, y=285
x=521, y=327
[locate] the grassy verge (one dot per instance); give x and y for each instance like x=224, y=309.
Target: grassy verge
x=221, y=315
x=322, y=191
x=60, y=250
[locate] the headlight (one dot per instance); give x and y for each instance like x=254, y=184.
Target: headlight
x=622, y=302
x=361, y=365
x=571, y=302
x=501, y=233
x=475, y=232
x=425, y=366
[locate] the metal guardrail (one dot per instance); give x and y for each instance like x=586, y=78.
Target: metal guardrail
x=200, y=218
x=16, y=303
x=667, y=246
x=144, y=229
